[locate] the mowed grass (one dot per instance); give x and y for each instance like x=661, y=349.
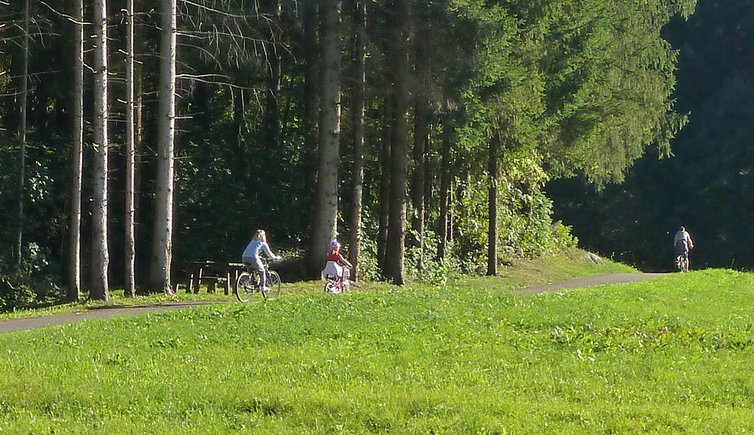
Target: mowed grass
x=673, y=354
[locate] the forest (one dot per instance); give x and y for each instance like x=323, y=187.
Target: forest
x=429, y=137
x=706, y=184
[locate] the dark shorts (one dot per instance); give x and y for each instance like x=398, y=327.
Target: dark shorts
x=682, y=248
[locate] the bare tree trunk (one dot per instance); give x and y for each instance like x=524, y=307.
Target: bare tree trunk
x=138, y=127
x=271, y=132
x=311, y=89
x=22, y=140
x=271, y=123
x=387, y=121
x=360, y=21
x=396, y=234
x=428, y=181
x=130, y=241
x=100, y=252
x=326, y=204
x=445, y=181
x=74, y=242
x=421, y=134
x=162, y=244
x=421, y=140
x=494, y=173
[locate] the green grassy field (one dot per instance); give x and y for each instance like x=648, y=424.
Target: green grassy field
x=673, y=354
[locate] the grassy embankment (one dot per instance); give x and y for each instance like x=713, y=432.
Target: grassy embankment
x=669, y=355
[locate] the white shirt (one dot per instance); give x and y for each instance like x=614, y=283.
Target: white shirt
x=682, y=235
x=251, y=253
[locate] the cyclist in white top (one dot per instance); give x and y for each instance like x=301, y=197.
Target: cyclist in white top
x=251, y=256
x=683, y=244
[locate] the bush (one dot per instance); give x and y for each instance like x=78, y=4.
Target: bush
x=423, y=265
x=29, y=284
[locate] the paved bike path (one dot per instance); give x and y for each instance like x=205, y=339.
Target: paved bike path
x=591, y=281
x=108, y=312
x=94, y=313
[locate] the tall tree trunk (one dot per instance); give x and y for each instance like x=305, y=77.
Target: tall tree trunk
x=130, y=241
x=240, y=166
x=74, y=242
x=326, y=203
x=271, y=128
x=100, y=252
x=162, y=244
x=138, y=128
x=310, y=13
x=22, y=140
x=271, y=122
x=360, y=21
x=494, y=181
x=428, y=180
x=396, y=234
x=421, y=134
x=445, y=181
x=387, y=121
x=421, y=140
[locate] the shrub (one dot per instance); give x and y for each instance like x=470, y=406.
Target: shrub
x=31, y=283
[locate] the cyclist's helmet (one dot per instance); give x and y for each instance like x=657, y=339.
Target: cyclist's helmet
x=334, y=245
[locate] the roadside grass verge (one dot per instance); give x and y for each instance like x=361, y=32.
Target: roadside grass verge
x=563, y=264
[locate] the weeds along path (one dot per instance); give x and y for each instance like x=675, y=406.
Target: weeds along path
x=107, y=312
x=590, y=281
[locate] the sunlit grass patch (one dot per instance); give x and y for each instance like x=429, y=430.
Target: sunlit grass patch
x=671, y=354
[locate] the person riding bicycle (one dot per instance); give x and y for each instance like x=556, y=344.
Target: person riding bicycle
x=683, y=244
x=335, y=262
x=251, y=256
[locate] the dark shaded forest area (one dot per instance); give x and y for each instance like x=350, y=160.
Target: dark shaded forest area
x=706, y=185
x=138, y=135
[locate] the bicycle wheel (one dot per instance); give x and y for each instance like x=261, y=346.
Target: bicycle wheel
x=273, y=285
x=331, y=287
x=245, y=287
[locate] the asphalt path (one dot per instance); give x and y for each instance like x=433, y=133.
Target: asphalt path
x=591, y=281
x=108, y=312
x=93, y=313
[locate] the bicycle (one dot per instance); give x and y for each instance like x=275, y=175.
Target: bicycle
x=682, y=256
x=682, y=263
x=248, y=283
x=336, y=285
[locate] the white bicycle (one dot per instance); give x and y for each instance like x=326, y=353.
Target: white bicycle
x=336, y=285
x=249, y=282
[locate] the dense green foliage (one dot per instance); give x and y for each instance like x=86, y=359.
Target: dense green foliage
x=567, y=87
x=472, y=357
x=706, y=185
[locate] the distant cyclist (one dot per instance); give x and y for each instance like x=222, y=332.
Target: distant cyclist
x=683, y=244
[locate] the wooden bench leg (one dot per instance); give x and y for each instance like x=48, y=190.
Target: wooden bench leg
x=197, y=281
x=227, y=285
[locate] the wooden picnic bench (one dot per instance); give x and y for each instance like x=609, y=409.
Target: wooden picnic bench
x=211, y=274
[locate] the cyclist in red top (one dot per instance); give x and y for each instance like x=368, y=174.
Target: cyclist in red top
x=335, y=262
